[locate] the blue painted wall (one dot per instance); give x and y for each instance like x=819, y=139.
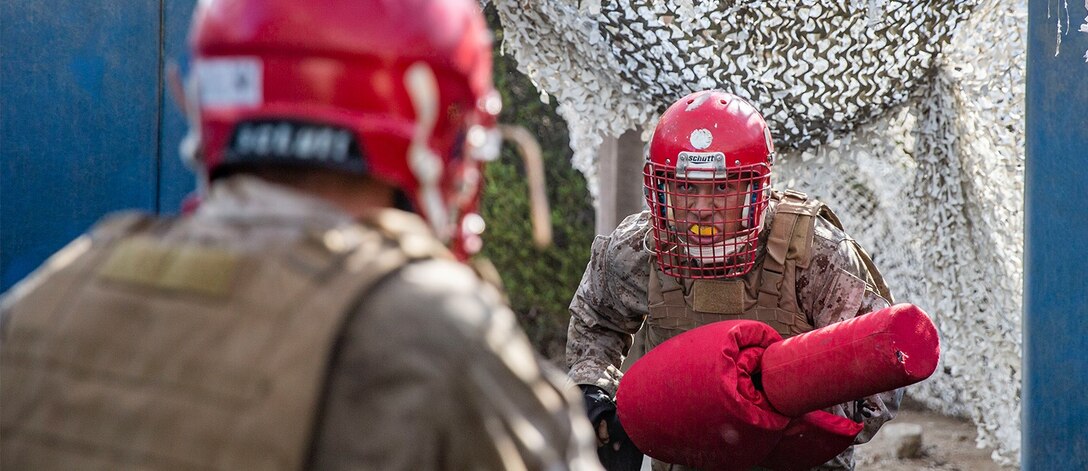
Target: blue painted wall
x=1055, y=413
x=85, y=128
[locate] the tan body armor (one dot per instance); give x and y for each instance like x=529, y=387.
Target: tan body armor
x=767, y=293
x=142, y=353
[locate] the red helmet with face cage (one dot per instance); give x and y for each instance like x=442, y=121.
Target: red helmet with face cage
x=399, y=90
x=707, y=185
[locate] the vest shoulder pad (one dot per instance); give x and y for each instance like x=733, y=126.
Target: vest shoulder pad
x=794, y=225
x=409, y=233
x=120, y=224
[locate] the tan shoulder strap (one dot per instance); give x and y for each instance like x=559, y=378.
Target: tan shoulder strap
x=413, y=236
x=877, y=280
x=121, y=224
x=828, y=215
x=789, y=239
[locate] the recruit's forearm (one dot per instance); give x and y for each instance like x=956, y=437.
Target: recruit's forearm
x=595, y=349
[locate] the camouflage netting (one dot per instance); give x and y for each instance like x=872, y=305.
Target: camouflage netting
x=907, y=117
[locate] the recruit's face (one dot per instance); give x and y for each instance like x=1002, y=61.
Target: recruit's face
x=706, y=213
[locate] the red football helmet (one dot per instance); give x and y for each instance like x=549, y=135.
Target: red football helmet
x=707, y=185
x=399, y=90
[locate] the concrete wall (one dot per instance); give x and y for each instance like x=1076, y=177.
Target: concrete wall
x=620, y=171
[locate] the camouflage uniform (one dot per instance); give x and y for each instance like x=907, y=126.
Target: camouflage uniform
x=610, y=307
x=429, y=370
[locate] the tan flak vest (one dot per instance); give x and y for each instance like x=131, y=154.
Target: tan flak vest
x=141, y=354
x=767, y=293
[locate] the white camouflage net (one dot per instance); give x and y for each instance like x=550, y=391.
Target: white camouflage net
x=917, y=144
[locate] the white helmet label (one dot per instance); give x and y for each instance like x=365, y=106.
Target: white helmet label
x=701, y=138
x=701, y=165
x=295, y=140
x=229, y=82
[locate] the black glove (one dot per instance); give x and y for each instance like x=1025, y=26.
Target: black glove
x=619, y=453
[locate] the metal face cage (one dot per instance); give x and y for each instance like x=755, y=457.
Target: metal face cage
x=706, y=216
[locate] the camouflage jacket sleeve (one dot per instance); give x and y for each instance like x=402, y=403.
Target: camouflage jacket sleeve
x=610, y=304
x=841, y=283
x=433, y=372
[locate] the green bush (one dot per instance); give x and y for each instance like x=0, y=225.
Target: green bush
x=540, y=283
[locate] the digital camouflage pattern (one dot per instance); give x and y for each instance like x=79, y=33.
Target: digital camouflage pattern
x=610, y=306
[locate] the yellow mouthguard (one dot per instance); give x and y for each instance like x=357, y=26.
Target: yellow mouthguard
x=703, y=230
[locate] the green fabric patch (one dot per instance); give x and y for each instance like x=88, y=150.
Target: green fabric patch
x=187, y=268
x=718, y=296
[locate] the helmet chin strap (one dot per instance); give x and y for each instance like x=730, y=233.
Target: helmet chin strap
x=422, y=88
x=719, y=251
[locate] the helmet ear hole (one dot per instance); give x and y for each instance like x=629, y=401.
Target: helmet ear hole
x=402, y=202
x=662, y=198
x=749, y=213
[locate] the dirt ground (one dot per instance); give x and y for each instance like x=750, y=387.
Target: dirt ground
x=948, y=443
